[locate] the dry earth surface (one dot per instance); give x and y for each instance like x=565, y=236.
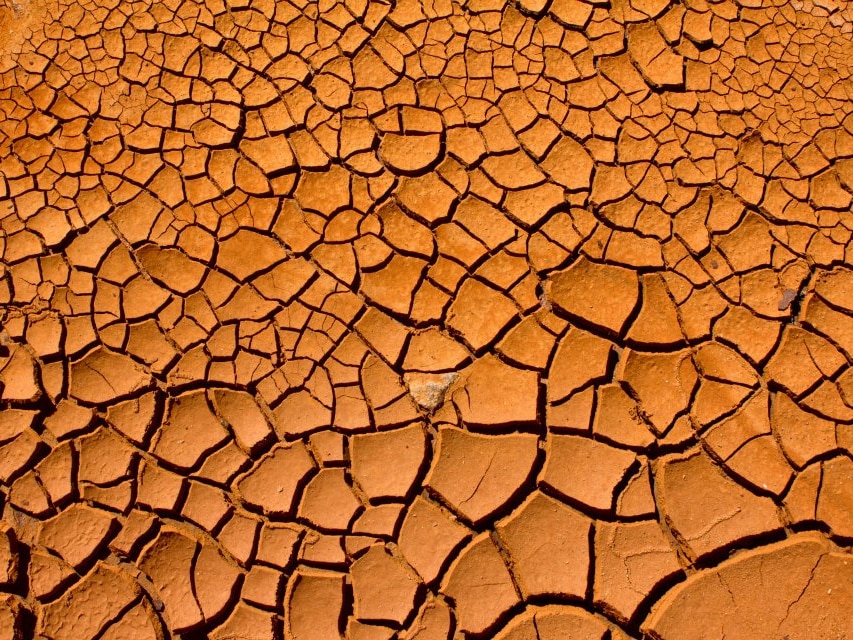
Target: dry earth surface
x=430, y=320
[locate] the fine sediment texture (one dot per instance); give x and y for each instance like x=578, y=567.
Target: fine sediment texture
x=441, y=320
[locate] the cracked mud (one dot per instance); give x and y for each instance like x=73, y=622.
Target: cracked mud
x=431, y=320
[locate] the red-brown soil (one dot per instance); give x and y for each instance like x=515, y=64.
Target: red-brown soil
x=436, y=320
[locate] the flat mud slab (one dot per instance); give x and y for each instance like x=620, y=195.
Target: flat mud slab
x=441, y=320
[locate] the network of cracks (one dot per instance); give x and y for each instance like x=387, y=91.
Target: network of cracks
x=440, y=320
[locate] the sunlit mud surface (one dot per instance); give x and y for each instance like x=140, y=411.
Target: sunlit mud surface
x=427, y=320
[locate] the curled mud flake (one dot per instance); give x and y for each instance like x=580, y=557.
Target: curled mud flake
x=479, y=313
x=9, y=560
x=18, y=381
x=433, y=621
x=785, y=580
x=383, y=590
x=433, y=351
x=313, y=604
x=11, y=617
x=479, y=474
x=174, y=269
x=802, y=435
x=662, y=382
x=709, y=511
x=328, y=501
x=542, y=533
x=102, y=376
x=77, y=534
x=551, y=622
x=835, y=496
x=89, y=606
x=274, y=483
x=247, y=253
x=632, y=560
x=190, y=431
x=580, y=358
x=140, y=622
x=214, y=581
x=480, y=586
x=492, y=393
x=244, y=416
x=428, y=536
x=584, y=470
x=247, y=622
x=409, y=154
x=600, y=295
x=168, y=562
x=370, y=453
